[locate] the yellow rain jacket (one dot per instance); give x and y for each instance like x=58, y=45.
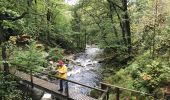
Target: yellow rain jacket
x=62, y=72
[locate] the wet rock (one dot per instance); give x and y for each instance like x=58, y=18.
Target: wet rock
x=37, y=94
x=47, y=96
x=89, y=64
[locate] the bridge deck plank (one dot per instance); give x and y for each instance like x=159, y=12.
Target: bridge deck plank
x=52, y=87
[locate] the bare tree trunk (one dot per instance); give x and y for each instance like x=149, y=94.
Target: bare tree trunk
x=126, y=25
x=111, y=18
x=4, y=58
x=85, y=39
x=154, y=31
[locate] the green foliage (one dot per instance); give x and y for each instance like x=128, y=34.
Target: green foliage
x=149, y=70
x=29, y=59
x=56, y=54
x=46, y=21
x=100, y=22
x=95, y=94
x=8, y=90
x=150, y=74
x=143, y=74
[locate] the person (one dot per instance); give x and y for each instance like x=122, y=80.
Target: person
x=62, y=73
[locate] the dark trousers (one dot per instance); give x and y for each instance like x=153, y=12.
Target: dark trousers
x=63, y=84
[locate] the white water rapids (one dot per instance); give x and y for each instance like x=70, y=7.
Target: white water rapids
x=85, y=71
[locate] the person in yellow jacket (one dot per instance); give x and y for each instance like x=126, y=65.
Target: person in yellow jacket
x=62, y=73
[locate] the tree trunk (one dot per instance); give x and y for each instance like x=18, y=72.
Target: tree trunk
x=4, y=58
x=154, y=31
x=121, y=24
x=85, y=39
x=111, y=18
x=77, y=40
x=126, y=25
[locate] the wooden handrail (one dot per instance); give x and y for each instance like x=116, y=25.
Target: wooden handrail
x=53, y=76
x=104, y=94
x=122, y=88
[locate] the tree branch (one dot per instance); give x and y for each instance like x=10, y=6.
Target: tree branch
x=115, y=4
x=7, y=17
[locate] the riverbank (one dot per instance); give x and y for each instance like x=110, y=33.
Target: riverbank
x=141, y=73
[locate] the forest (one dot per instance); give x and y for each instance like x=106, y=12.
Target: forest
x=134, y=36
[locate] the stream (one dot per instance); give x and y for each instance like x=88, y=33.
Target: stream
x=85, y=71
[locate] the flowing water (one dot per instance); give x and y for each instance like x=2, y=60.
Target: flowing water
x=85, y=70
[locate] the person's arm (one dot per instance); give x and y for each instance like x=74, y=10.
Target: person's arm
x=63, y=70
x=53, y=72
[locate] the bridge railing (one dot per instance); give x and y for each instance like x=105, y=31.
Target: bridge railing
x=118, y=90
x=105, y=88
x=104, y=91
x=105, y=95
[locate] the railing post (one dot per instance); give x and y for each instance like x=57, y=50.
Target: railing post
x=32, y=85
x=102, y=86
x=107, y=94
x=67, y=90
x=105, y=87
x=117, y=93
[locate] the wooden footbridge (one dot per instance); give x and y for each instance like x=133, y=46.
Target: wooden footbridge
x=72, y=95
x=53, y=88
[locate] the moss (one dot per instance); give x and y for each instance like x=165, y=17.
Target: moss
x=95, y=94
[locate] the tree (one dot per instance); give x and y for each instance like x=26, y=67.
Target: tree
x=149, y=69
x=5, y=35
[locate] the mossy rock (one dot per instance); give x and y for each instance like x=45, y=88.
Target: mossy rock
x=95, y=94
